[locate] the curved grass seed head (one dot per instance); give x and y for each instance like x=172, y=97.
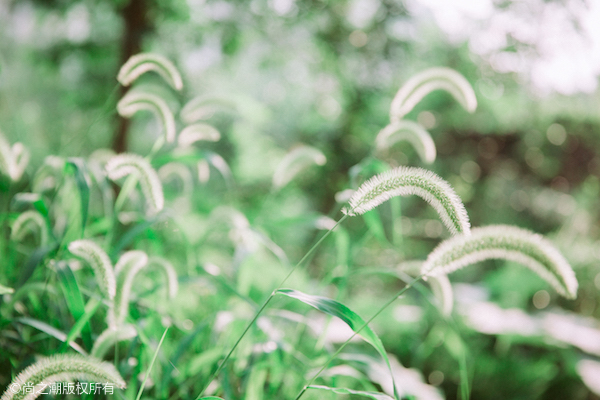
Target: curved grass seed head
x=404, y=181
x=141, y=63
x=133, y=102
x=129, y=264
x=30, y=221
x=426, y=82
x=126, y=164
x=110, y=337
x=509, y=243
x=197, y=132
x=60, y=368
x=100, y=263
x=170, y=273
x=294, y=162
x=412, y=132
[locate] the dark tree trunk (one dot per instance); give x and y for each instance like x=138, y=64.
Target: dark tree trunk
x=136, y=24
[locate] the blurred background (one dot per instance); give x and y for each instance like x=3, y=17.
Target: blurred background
x=323, y=73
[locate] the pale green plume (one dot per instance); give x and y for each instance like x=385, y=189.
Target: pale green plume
x=170, y=274
x=111, y=336
x=100, y=263
x=202, y=107
x=412, y=132
x=509, y=243
x=295, y=161
x=440, y=285
x=196, y=132
x=29, y=221
x=177, y=170
x=144, y=62
x=218, y=163
x=404, y=181
x=126, y=164
x=133, y=102
x=61, y=368
x=426, y=82
x=21, y=158
x=129, y=264
x=6, y=157
x=13, y=160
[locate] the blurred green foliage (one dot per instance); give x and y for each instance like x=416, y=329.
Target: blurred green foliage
x=319, y=73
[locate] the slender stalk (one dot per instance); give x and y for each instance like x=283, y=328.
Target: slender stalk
x=386, y=305
x=260, y=310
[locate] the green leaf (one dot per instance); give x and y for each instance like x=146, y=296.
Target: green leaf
x=51, y=331
x=339, y=310
x=372, y=395
x=82, y=179
x=74, y=300
x=151, y=364
x=33, y=261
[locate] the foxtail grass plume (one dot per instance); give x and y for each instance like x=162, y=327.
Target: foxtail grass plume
x=294, y=162
x=509, y=243
x=100, y=263
x=60, y=368
x=129, y=264
x=126, y=164
x=440, y=285
x=141, y=63
x=405, y=181
x=133, y=102
x=13, y=159
x=426, y=82
x=218, y=163
x=203, y=107
x=170, y=274
x=412, y=132
x=197, y=132
x=111, y=336
x=177, y=170
x=30, y=221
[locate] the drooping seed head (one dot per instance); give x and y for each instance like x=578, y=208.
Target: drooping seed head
x=100, y=263
x=141, y=63
x=111, y=336
x=197, y=132
x=426, y=82
x=60, y=368
x=405, y=181
x=509, y=243
x=30, y=221
x=294, y=162
x=129, y=264
x=126, y=164
x=412, y=132
x=133, y=102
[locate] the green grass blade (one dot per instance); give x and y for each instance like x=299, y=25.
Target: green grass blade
x=371, y=395
x=74, y=300
x=139, y=395
x=82, y=179
x=51, y=331
x=33, y=261
x=82, y=324
x=339, y=310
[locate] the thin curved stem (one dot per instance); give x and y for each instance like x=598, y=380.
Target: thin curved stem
x=260, y=310
x=356, y=332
